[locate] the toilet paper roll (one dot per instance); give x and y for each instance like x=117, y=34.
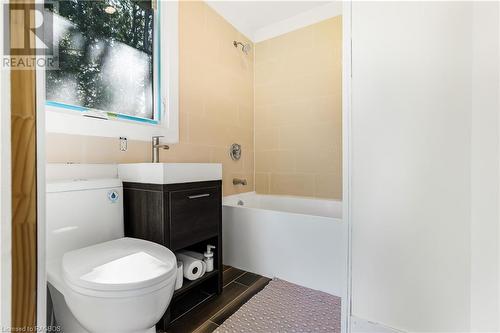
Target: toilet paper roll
x=196, y=255
x=180, y=275
x=204, y=270
x=193, y=268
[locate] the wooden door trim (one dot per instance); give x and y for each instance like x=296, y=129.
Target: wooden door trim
x=24, y=183
x=5, y=187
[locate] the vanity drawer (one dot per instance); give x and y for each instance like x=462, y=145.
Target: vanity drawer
x=194, y=215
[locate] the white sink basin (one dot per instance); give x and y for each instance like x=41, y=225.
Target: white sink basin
x=169, y=173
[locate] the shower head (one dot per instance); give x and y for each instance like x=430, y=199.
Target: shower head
x=244, y=47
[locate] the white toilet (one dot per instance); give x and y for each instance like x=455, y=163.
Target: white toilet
x=99, y=280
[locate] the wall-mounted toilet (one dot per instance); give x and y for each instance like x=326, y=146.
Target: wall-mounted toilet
x=99, y=280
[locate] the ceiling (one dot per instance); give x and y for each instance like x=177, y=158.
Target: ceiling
x=253, y=17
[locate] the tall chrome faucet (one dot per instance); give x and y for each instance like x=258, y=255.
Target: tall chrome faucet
x=155, y=148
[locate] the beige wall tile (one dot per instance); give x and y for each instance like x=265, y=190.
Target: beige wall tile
x=270, y=93
x=248, y=157
x=298, y=112
x=262, y=116
x=262, y=183
x=187, y=153
x=221, y=155
x=283, y=161
x=326, y=161
x=241, y=135
x=327, y=185
x=269, y=71
x=63, y=148
x=246, y=116
x=263, y=161
x=138, y=151
x=266, y=139
x=292, y=184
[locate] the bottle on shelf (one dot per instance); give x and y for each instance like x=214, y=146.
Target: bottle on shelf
x=209, y=258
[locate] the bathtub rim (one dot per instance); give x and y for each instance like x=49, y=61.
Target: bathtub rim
x=337, y=219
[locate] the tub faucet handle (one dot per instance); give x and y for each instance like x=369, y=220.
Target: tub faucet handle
x=238, y=181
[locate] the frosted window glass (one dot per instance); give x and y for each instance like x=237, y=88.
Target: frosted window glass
x=105, y=56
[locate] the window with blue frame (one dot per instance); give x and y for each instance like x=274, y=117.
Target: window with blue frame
x=106, y=55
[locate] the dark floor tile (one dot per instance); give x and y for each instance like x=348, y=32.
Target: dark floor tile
x=225, y=313
x=248, y=278
x=231, y=274
x=224, y=267
x=189, y=301
x=197, y=316
x=207, y=327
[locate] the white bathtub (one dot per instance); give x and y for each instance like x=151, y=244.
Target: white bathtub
x=300, y=240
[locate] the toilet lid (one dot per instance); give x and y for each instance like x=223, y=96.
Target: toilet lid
x=121, y=264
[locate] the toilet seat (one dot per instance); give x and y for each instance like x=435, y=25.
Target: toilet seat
x=119, y=268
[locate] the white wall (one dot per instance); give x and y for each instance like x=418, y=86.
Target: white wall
x=423, y=215
x=485, y=168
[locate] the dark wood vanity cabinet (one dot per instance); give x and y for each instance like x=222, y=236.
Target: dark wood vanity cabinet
x=195, y=215
x=179, y=216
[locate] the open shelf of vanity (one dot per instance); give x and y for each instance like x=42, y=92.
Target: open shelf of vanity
x=185, y=216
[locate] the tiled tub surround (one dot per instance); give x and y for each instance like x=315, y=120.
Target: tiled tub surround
x=216, y=105
x=297, y=109
x=298, y=112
